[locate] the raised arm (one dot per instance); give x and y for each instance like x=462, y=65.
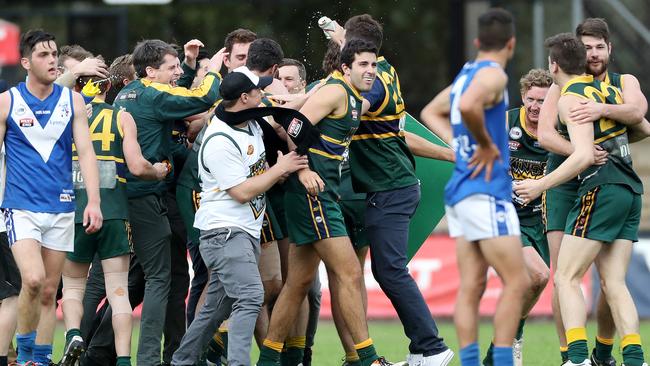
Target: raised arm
x=92, y=217
x=435, y=115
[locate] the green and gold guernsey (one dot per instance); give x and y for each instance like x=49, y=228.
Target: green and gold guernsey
x=154, y=107
x=609, y=134
x=336, y=131
x=380, y=160
x=555, y=160
x=527, y=161
x=106, y=135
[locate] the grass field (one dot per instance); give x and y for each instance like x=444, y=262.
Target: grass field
x=540, y=342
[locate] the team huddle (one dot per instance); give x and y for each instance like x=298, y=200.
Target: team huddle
x=260, y=176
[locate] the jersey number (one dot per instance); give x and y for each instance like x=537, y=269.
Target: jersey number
x=105, y=136
x=600, y=96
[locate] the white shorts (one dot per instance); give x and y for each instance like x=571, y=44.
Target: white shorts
x=481, y=216
x=52, y=230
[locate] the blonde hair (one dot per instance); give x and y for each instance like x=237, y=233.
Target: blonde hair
x=536, y=77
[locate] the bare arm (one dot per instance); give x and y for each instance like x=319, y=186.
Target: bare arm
x=582, y=139
x=137, y=164
x=630, y=112
x=422, y=147
x=639, y=131
x=435, y=115
x=547, y=134
x=483, y=91
x=254, y=186
x=88, y=164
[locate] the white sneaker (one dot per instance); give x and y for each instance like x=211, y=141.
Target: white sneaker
x=517, y=352
x=441, y=359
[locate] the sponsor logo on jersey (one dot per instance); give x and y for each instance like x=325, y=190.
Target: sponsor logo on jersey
x=43, y=112
x=353, y=102
x=65, y=197
x=516, y=133
x=294, y=128
x=251, y=150
x=355, y=114
x=513, y=145
x=26, y=122
x=20, y=110
x=65, y=110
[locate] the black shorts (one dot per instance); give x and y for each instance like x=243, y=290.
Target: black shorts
x=9, y=274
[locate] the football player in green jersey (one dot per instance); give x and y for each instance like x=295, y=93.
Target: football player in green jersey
x=594, y=33
x=114, y=139
x=317, y=231
x=596, y=231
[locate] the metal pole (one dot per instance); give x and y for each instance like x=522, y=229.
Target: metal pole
x=578, y=13
x=538, y=34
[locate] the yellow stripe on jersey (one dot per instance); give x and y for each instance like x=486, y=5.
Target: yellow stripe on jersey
x=105, y=158
x=119, y=125
x=383, y=118
x=337, y=75
x=611, y=135
x=313, y=218
x=333, y=140
x=345, y=113
x=180, y=91
x=323, y=153
x=386, y=135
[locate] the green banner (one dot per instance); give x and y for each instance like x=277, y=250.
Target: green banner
x=433, y=175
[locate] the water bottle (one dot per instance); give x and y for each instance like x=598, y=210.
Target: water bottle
x=327, y=25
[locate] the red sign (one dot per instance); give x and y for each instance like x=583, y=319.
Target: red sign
x=9, y=42
x=434, y=270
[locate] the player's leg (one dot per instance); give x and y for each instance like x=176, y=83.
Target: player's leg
x=116, y=274
x=27, y=253
x=351, y=356
x=303, y=265
x=575, y=257
x=94, y=295
x=74, y=285
x=53, y=263
x=601, y=355
x=472, y=269
x=612, y=264
x=270, y=272
x=556, y=205
x=9, y=290
x=314, y=299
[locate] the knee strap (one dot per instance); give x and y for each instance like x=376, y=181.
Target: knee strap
x=117, y=292
x=73, y=288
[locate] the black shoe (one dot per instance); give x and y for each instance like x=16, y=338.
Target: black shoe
x=73, y=351
x=381, y=361
x=596, y=362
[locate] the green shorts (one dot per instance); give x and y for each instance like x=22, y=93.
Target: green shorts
x=354, y=215
x=188, y=200
x=112, y=240
x=270, y=225
x=606, y=213
x=533, y=236
x=556, y=204
x=313, y=218
x=276, y=197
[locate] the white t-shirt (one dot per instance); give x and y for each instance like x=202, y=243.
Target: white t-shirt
x=228, y=157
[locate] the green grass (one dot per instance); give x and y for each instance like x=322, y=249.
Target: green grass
x=540, y=342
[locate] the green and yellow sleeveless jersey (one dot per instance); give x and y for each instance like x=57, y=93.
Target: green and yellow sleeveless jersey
x=106, y=136
x=527, y=161
x=609, y=134
x=380, y=159
x=555, y=160
x=336, y=131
